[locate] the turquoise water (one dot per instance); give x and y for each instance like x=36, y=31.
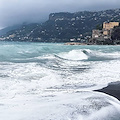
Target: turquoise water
x=53, y=81
x=13, y=51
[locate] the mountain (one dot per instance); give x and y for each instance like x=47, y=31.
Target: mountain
x=7, y=29
x=64, y=26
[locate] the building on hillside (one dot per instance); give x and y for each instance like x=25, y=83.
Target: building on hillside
x=101, y=36
x=97, y=33
x=107, y=28
x=110, y=25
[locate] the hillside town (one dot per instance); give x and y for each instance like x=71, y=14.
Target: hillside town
x=99, y=37
x=104, y=36
x=85, y=27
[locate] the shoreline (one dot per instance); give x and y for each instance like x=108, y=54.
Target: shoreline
x=112, y=89
x=78, y=43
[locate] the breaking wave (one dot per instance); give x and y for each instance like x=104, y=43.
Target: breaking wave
x=41, y=81
x=87, y=54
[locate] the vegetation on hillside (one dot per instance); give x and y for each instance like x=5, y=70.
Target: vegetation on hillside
x=64, y=27
x=116, y=33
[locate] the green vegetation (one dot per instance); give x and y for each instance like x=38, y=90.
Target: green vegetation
x=62, y=27
x=116, y=33
x=99, y=27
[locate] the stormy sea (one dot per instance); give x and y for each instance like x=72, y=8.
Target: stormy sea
x=53, y=81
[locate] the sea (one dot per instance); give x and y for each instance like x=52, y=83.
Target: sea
x=53, y=81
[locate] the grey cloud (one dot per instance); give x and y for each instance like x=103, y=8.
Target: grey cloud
x=18, y=11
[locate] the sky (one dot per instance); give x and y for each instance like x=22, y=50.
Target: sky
x=14, y=12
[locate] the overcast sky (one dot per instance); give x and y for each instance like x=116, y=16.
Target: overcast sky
x=19, y=11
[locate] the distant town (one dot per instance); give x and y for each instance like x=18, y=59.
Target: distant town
x=104, y=36
x=91, y=28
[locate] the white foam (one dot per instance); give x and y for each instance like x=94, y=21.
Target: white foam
x=74, y=55
x=59, y=89
x=58, y=105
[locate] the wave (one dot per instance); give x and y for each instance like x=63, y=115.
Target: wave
x=101, y=56
x=87, y=55
x=56, y=56
x=59, y=80
x=73, y=55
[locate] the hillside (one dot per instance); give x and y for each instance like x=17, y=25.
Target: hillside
x=7, y=29
x=63, y=27
x=116, y=34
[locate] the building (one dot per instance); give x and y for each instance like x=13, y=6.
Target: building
x=101, y=36
x=110, y=25
x=97, y=33
x=107, y=28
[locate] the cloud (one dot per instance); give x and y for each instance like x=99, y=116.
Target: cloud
x=18, y=11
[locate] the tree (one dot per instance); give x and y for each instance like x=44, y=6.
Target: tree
x=116, y=33
x=99, y=26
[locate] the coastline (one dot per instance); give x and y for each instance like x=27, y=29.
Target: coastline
x=112, y=89
x=78, y=43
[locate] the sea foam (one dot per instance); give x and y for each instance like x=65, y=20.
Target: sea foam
x=41, y=81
